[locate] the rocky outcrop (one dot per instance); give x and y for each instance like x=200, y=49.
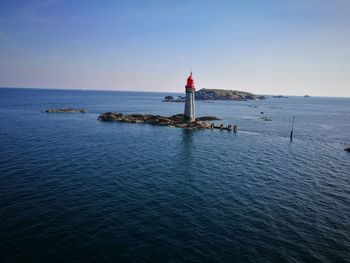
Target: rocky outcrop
x=174, y=121
x=172, y=99
x=266, y=118
x=220, y=94
x=347, y=149
x=208, y=118
x=64, y=110
x=279, y=97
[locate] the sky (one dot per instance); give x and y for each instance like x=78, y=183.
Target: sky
x=285, y=47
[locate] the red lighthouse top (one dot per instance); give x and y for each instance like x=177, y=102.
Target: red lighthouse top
x=190, y=82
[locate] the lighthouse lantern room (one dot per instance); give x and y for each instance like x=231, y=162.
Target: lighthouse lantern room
x=189, y=114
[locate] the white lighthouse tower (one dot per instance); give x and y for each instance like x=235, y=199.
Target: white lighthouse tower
x=189, y=114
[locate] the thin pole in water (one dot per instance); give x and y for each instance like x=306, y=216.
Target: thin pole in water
x=291, y=132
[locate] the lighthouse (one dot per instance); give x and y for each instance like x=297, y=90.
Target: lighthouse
x=189, y=114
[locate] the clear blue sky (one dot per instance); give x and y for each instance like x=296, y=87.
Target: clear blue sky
x=268, y=47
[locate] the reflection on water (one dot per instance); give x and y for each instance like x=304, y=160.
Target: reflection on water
x=186, y=146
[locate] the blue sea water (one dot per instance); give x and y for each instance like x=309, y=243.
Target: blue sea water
x=75, y=189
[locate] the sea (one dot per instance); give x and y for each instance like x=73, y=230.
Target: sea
x=75, y=189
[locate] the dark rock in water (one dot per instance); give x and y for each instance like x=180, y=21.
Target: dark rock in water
x=279, y=97
x=220, y=94
x=174, y=121
x=168, y=97
x=266, y=118
x=347, y=149
x=208, y=118
x=64, y=110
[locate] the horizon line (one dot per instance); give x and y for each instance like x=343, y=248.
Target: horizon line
x=150, y=91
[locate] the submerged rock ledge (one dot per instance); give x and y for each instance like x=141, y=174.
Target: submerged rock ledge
x=173, y=121
x=64, y=110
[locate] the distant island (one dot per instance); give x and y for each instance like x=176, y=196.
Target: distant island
x=221, y=94
x=306, y=96
x=172, y=99
x=218, y=94
x=279, y=97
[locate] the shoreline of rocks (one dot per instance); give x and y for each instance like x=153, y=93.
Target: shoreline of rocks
x=171, y=121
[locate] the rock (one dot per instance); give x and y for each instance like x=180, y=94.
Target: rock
x=110, y=116
x=171, y=99
x=279, y=97
x=172, y=121
x=64, y=110
x=207, y=118
x=266, y=118
x=220, y=94
x=347, y=149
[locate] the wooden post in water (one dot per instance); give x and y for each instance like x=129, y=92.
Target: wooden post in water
x=234, y=128
x=229, y=127
x=291, y=132
x=221, y=126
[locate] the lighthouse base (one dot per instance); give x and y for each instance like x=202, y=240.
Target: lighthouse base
x=188, y=119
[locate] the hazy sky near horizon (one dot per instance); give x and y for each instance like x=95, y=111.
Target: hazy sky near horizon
x=286, y=47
